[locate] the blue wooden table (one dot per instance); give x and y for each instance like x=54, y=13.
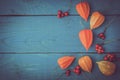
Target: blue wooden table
x=32, y=38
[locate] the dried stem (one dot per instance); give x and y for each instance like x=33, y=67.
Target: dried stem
x=81, y=24
x=109, y=41
x=106, y=27
x=60, y=76
x=70, y=5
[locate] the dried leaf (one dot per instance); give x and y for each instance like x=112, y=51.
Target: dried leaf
x=107, y=68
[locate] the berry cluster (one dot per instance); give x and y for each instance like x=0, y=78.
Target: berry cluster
x=76, y=70
x=101, y=35
x=99, y=48
x=110, y=57
x=60, y=14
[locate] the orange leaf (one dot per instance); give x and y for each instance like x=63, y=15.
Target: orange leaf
x=96, y=20
x=65, y=61
x=83, y=10
x=86, y=38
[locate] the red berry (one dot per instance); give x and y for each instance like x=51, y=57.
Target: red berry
x=100, y=47
x=66, y=13
x=108, y=55
x=59, y=12
x=97, y=45
x=100, y=34
x=110, y=59
x=77, y=67
x=113, y=56
x=77, y=71
x=68, y=73
x=106, y=58
x=103, y=37
x=102, y=51
x=62, y=15
x=59, y=16
x=99, y=51
x=96, y=49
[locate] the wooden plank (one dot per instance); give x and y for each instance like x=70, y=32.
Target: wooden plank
x=48, y=7
x=44, y=67
x=48, y=33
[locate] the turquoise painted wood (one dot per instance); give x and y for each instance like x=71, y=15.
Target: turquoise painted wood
x=48, y=33
x=32, y=38
x=50, y=7
x=45, y=67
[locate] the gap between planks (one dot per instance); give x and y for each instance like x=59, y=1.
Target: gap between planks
x=56, y=53
x=8, y=15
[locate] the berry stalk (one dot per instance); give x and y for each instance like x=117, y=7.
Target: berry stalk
x=102, y=34
x=109, y=41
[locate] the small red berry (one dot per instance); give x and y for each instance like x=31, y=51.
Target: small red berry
x=110, y=59
x=102, y=51
x=101, y=34
x=100, y=47
x=106, y=58
x=96, y=49
x=59, y=16
x=103, y=37
x=97, y=45
x=108, y=55
x=77, y=71
x=66, y=13
x=68, y=73
x=113, y=56
x=59, y=12
x=77, y=67
x=62, y=15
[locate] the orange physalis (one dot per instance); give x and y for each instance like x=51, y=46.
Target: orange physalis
x=65, y=61
x=86, y=38
x=83, y=10
x=85, y=63
x=96, y=20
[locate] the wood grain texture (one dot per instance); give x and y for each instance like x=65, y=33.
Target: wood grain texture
x=48, y=33
x=32, y=38
x=44, y=67
x=50, y=7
